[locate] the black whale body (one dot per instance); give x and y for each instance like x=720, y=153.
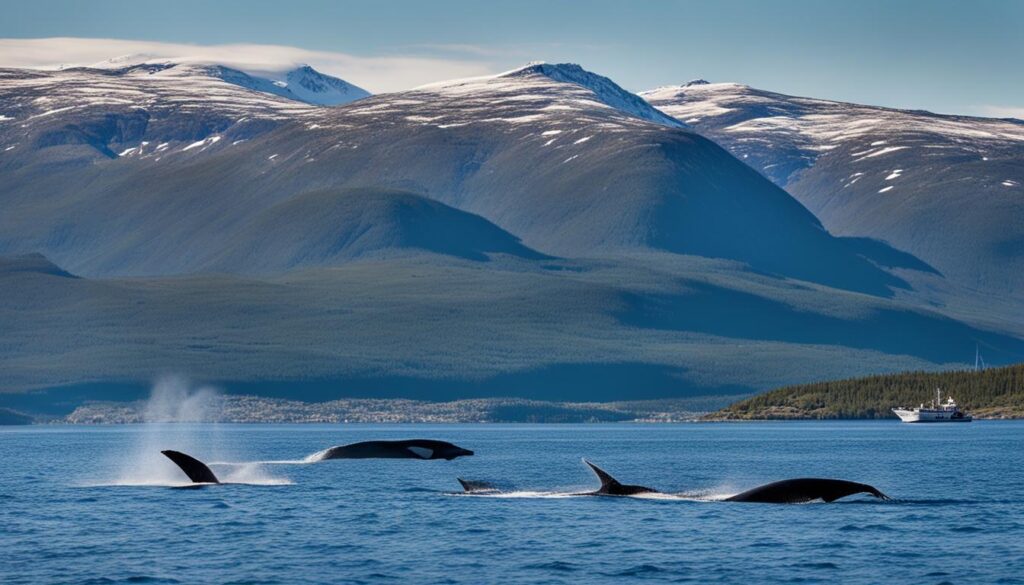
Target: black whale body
x=807, y=489
x=409, y=449
x=196, y=470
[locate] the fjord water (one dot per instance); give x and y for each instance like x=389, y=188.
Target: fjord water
x=94, y=505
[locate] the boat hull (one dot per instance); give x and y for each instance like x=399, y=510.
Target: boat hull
x=911, y=416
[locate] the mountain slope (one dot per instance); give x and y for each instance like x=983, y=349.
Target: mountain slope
x=442, y=327
x=948, y=189
x=31, y=263
x=547, y=160
x=149, y=109
x=302, y=83
x=328, y=227
x=602, y=88
x=299, y=82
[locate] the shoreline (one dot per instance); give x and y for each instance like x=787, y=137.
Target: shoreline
x=638, y=422
x=262, y=410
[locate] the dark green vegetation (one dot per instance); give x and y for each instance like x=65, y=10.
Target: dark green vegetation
x=991, y=393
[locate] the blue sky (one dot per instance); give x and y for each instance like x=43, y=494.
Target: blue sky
x=942, y=55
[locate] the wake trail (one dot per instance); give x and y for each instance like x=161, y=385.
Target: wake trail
x=267, y=462
x=268, y=481
x=699, y=497
x=313, y=458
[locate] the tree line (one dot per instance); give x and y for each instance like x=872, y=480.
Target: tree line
x=993, y=392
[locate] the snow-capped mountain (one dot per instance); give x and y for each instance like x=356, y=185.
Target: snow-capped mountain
x=300, y=82
x=539, y=151
x=141, y=107
x=309, y=85
x=603, y=89
x=148, y=110
x=948, y=189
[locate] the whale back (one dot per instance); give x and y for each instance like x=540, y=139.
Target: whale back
x=407, y=449
x=795, y=491
x=611, y=486
x=196, y=470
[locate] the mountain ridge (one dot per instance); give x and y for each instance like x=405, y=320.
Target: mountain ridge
x=608, y=91
x=298, y=82
x=945, y=188
x=548, y=161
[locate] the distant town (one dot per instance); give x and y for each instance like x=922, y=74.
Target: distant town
x=254, y=409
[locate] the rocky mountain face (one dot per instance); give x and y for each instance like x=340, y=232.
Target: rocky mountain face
x=947, y=189
x=556, y=163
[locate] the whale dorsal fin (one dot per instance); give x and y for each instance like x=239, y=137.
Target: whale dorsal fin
x=470, y=485
x=607, y=481
x=196, y=470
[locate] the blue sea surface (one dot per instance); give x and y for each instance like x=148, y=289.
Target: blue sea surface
x=98, y=505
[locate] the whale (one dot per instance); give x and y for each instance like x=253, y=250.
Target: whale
x=805, y=489
x=196, y=470
x=788, y=491
x=408, y=449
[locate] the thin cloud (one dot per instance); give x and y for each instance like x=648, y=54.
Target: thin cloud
x=376, y=74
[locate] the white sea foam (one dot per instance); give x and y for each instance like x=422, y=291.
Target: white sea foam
x=318, y=456
x=520, y=494
x=533, y=494
x=173, y=403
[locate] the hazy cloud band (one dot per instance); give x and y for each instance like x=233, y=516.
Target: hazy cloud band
x=376, y=74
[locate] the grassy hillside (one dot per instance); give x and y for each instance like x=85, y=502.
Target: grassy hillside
x=993, y=393
x=438, y=327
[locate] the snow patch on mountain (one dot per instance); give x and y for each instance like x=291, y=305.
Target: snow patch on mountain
x=605, y=89
x=299, y=82
x=810, y=123
x=539, y=82
x=306, y=84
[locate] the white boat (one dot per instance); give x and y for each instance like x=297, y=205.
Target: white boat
x=938, y=411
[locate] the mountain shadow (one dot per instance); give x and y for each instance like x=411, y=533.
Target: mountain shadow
x=331, y=226
x=731, y=313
